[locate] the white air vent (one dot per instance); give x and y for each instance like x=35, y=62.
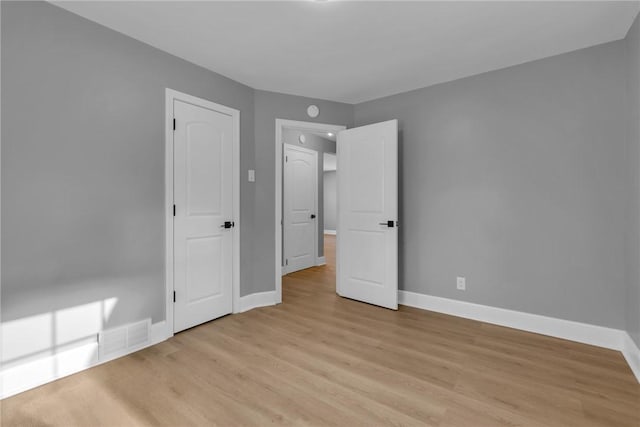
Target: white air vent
x=124, y=340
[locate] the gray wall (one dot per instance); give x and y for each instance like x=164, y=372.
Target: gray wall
x=321, y=145
x=83, y=163
x=268, y=107
x=632, y=308
x=514, y=179
x=330, y=200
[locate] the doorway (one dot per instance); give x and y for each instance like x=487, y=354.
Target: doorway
x=366, y=246
x=300, y=147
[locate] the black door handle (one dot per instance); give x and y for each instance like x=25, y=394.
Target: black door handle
x=313, y=216
x=389, y=224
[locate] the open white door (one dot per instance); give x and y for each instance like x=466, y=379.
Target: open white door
x=203, y=210
x=367, y=228
x=300, y=208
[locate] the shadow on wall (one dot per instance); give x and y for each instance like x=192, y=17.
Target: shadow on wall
x=34, y=328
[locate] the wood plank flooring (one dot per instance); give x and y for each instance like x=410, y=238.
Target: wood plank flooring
x=318, y=359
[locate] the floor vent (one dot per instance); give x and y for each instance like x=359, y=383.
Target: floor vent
x=124, y=340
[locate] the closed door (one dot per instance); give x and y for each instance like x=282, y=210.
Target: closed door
x=367, y=229
x=203, y=243
x=300, y=202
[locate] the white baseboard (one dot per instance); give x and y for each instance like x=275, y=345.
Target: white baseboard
x=43, y=370
x=160, y=332
x=321, y=261
x=260, y=299
x=574, y=331
x=331, y=232
x=631, y=353
x=46, y=369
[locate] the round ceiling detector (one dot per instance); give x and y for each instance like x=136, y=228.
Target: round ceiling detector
x=313, y=111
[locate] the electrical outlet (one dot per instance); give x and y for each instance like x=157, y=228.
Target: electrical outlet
x=461, y=283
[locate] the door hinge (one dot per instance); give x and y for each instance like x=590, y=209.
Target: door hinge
x=174, y=296
x=174, y=210
x=286, y=262
x=286, y=159
x=174, y=123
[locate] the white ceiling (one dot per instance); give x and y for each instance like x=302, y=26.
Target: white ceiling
x=358, y=51
x=326, y=135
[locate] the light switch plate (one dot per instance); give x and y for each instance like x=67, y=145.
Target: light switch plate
x=252, y=175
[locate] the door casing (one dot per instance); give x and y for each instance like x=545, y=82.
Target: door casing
x=170, y=96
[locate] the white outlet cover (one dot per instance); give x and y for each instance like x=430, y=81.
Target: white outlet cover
x=461, y=283
x=252, y=175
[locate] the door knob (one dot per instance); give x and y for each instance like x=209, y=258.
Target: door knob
x=389, y=224
x=313, y=216
x=228, y=224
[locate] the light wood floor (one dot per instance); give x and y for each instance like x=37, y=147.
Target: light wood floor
x=318, y=359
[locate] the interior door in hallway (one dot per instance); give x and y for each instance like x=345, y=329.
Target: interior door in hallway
x=203, y=197
x=300, y=208
x=367, y=228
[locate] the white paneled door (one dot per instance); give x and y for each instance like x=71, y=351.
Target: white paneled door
x=203, y=194
x=300, y=207
x=367, y=228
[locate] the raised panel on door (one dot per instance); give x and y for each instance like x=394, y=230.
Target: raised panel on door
x=203, y=197
x=300, y=201
x=367, y=246
x=204, y=269
x=204, y=145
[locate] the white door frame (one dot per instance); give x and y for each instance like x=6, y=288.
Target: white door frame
x=171, y=96
x=314, y=153
x=302, y=126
